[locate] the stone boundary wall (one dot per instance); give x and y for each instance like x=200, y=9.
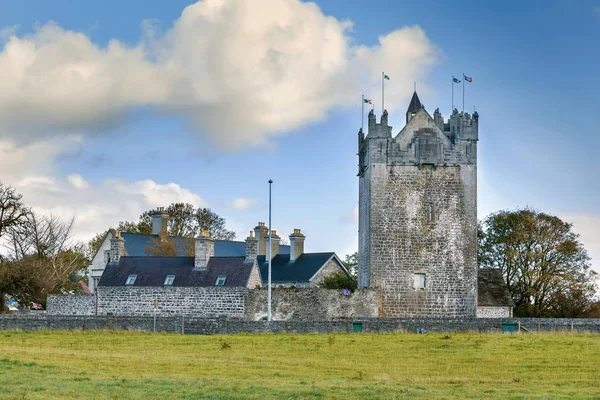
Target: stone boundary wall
x=173, y=300
x=308, y=304
x=223, y=325
x=494, y=312
x=71, y=304
x=288, y=304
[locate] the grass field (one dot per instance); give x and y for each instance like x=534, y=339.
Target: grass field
x=122, y=365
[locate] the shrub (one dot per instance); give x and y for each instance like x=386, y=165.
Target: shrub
x=339, y=280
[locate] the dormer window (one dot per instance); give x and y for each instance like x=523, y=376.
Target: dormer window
x=169, y=280
x=130, y=280
x=220, y=281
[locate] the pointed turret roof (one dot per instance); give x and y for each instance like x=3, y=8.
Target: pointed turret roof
x=415, y=104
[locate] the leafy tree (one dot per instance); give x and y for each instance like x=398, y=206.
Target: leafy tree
x=339, y=280
x=210, y=221
x=184, y=221
x=351, y=263
x=165, y=246
x=546, y=268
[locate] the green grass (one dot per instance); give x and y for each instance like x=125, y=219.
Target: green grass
x=123, y=365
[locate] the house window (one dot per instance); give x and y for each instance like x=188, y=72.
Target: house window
x=130, y=279
x=420, y=281
x=220, y=281
x=169, y=280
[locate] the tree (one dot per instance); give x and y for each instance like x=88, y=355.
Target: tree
x=351, y=263
x=165, y=246
x=184, y=221
x=42, y=259
x=12, y=211
x=339, y=280
x=545, y=267
x=210, y=221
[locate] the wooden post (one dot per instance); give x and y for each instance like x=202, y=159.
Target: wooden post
x=571, y=326
x=539, y=326
x=519, y=327
x=182, y=325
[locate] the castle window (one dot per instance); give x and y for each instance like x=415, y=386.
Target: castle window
x=220, y=281
x=169, y=280
x=420, y=281
x=130, y=279
x=430, y=212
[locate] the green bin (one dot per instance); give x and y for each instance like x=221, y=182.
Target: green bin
x=357, y=327
x=510, y=327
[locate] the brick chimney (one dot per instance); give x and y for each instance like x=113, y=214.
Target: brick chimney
x=261, y=232
x=204, y=250
x=251, y=247
x=160, y=219
x=274, y=243
x=296, y=244
x=117, y=248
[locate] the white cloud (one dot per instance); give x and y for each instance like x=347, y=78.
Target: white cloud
x=98, y=206
x=588, y=227
x=7, y=32
x=240, y=71
x=77, y=181
x=244, y=203
x=351, y=217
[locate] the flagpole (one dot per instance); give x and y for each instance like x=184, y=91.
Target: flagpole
x=382, y=92
x=463, y=93
x=270, y=256
x=362, y=119
x=452, y=109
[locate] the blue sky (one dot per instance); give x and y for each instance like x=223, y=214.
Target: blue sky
x=534, y=66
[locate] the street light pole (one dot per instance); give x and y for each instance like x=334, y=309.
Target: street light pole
x=270, y=256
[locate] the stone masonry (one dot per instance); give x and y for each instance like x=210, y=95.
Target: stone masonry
x=331, y=267
x=418, y=214
x=173, y=300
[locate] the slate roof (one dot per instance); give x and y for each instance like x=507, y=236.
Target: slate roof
x=152, y=271
x=415, y=104
x=135, y=244
x=491, y=289
x=299, y=270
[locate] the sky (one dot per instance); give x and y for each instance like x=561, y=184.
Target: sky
x=110, y=108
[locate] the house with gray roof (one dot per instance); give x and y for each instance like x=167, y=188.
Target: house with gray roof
x=124, y=259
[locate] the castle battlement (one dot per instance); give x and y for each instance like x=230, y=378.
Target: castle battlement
x=423, y=140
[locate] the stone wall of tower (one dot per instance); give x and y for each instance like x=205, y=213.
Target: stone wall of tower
x=418, y=215
x=404, y=241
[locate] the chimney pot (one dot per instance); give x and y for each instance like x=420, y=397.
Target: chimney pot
x=117, y=248
x=251, y=247
x=261, y=232
x=204, y=250
x=160, y=221
x=296, y=244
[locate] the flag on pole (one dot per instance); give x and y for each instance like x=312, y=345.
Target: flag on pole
x=468, y=78
x=455, y=80
x=36, y=306
x=386, y=77
x=367, y=101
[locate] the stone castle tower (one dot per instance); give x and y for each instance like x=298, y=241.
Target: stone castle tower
x=418, y=213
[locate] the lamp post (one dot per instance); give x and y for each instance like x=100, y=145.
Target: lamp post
x=270, y=256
